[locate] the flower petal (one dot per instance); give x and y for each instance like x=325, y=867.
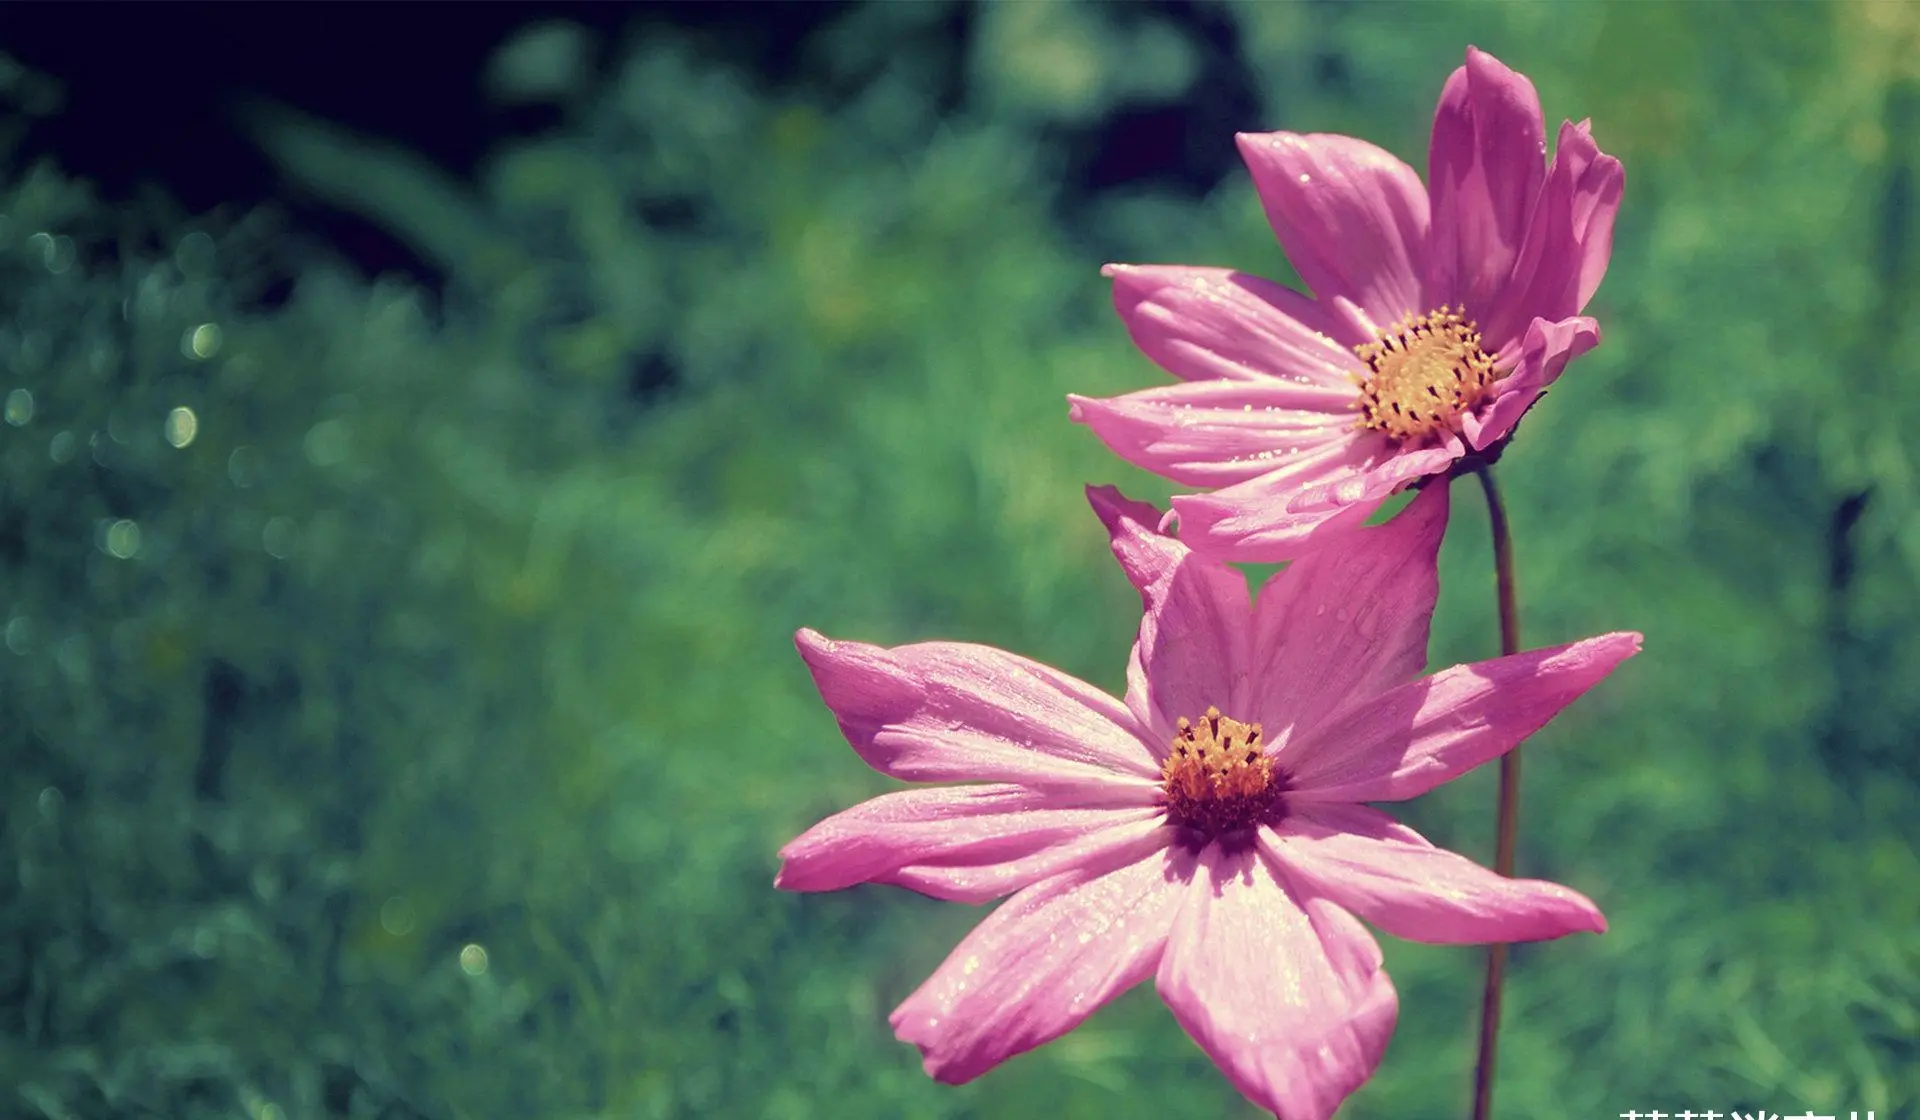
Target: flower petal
x=1485, y=165
x=1352, y=219
x=1568, y=243
x=948, y=711
x=1284, y=992
x=1205, y=323
x=1340, y=623
x=1410, y=739
x=1545, y=353
x=961, y=878
x=1192, y=649
x=1304, y=506
x=974, y=825
x=1042, y=962
x=1215, y=433
x=1365, y=861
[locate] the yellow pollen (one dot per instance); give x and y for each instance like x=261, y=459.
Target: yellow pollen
x=1217, y=778
x=1423, y=373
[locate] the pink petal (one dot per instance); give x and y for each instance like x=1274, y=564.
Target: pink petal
x=1352, y=219
x=1290, y=512
x=1407, y=741
x=973, y=825
x=1192, y=650
x=1146, y=554
x=1545, y=353
x=947, y=711
x=1365, y=861
x=961, y=879
x=1485, y=164
x=1042, y=962
x=1283, y=992
x=1214, y=433
x=1345, y=622
x=1600, y=181
x=1205, y=323
x=1568, y=243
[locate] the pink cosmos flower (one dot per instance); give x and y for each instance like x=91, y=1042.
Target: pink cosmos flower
x=1439, y=315
x=1208, y=831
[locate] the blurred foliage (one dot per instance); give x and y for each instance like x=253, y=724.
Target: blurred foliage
x=416, y=738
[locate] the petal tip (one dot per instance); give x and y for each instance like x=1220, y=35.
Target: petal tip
x=1120, y=513
x=1251, y=143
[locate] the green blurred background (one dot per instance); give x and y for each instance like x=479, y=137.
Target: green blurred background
x=398, y=707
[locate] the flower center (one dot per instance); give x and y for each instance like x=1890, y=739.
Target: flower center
x=1425, y=371
x=1217, y=779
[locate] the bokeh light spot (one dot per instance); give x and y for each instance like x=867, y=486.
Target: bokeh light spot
x=396, y=916
x=280, y=537
x=19, y=407
x=123, y=539
x=243, y=466
x=182, y=426
x=326, y=443
x=473, y=960
x=56, y=253
x=202, y=341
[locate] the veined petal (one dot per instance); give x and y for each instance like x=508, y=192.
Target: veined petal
x=1599, y=184
x=1284, y=993
x=1339, y=623
x=1410, y=739
x=1147, y=555
x=1384, y=478
x=948, y=711
x=1042, y=962
x=1545, y=353
x=1352, y=219
x=991, y=824
x=1214, y=433
x=962, y=878
x=1568, y=242
x=1365, y=861
x=1204, y=323
x=1305, y=505
x=1485, y=165
x=1192, y=649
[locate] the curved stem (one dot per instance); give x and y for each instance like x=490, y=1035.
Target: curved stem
x=1509, y=805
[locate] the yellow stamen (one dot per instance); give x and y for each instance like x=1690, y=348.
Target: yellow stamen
x=1424, y=373
x=1217, y=778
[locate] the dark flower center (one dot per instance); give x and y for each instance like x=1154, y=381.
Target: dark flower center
x=1217, y=778
x=1425, y=371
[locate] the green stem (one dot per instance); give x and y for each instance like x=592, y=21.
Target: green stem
x=1509, y=805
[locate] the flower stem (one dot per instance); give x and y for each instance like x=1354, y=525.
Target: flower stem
x=1509, y=805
